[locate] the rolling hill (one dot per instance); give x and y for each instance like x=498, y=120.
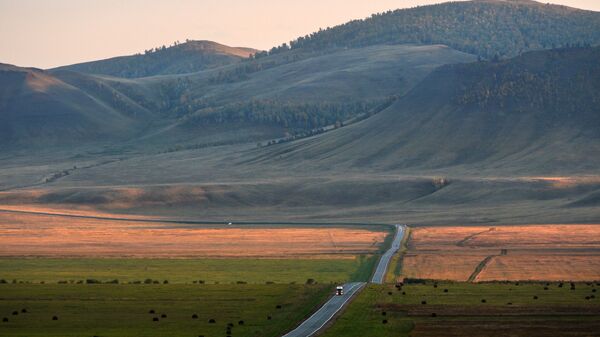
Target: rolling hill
x=38, y=109
x=188, y=57
x=539, y=112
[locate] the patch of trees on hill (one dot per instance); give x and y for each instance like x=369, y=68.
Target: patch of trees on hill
x=485, y=28
x=295, y=117
x=561, y=84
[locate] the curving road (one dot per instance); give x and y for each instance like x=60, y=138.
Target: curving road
x=379, y=275
x=320, y=318
x=315, y=322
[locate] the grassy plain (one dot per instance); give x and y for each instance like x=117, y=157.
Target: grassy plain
x=467, y=309
x=225, y=271
x=35, y=235
x=123, y=310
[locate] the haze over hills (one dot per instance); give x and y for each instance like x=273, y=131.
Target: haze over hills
x=187, y=57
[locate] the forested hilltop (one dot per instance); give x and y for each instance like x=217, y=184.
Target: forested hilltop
x=179, y=58
x=488, y=28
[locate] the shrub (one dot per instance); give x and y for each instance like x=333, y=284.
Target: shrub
x=55, y=318
x=148, y=281
x=423, y=302
x=269, y=282
x=115, y=281
x=535, y=297
x=151, y=311
x=509, y=303
x=383, y=313
x=241, y=323
x=201, y=281
x=5, y=319
x=155, y=282
x=195, y=316
x=310, y=281
x=62, y=282
x=404, y=293
x=154, y=319
x=24, y=310
x=433, y=314
x=212, y=321
x=15, y=313
x=389, y=293
x=3, y=281
x=269, y=318
x=242, y=282
x=445, y=290
x=384, y=321
x=165, y=282
x=163, y=316
x=483, y=301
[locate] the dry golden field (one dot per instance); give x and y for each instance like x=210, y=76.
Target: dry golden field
x=46, y=235
x=487, y=253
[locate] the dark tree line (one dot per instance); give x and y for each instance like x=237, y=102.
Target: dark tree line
x=296, y=117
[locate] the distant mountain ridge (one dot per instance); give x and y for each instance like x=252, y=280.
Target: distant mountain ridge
x=187, y=57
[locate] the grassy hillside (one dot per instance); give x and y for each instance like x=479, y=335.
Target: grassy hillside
x=535, y=113
x=183, y=111
x=188, y=57
x=37, y=108
x=488, y=28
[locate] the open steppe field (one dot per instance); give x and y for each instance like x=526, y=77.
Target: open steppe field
x=452, y=309
x=125, y=310
x=45, y=235
x=488, y=253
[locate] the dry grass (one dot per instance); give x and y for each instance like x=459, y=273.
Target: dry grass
x=542, y=267
x=58, y=236
x=533, y=252
x=440, y=266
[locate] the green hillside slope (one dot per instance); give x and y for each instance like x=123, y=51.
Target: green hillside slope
x=536, y=113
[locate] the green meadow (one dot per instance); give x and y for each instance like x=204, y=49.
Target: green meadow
x=125, y=310
x=223, y=271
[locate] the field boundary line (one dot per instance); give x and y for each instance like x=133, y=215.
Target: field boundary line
x=480, y=268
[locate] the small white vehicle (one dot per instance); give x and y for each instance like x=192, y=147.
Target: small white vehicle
x=339, y=291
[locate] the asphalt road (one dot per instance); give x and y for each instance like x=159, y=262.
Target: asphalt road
x=315, y=322
x=382, y=266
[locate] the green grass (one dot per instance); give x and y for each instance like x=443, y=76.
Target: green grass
x=123, y=310
x=463, y=304
x=254, y=271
